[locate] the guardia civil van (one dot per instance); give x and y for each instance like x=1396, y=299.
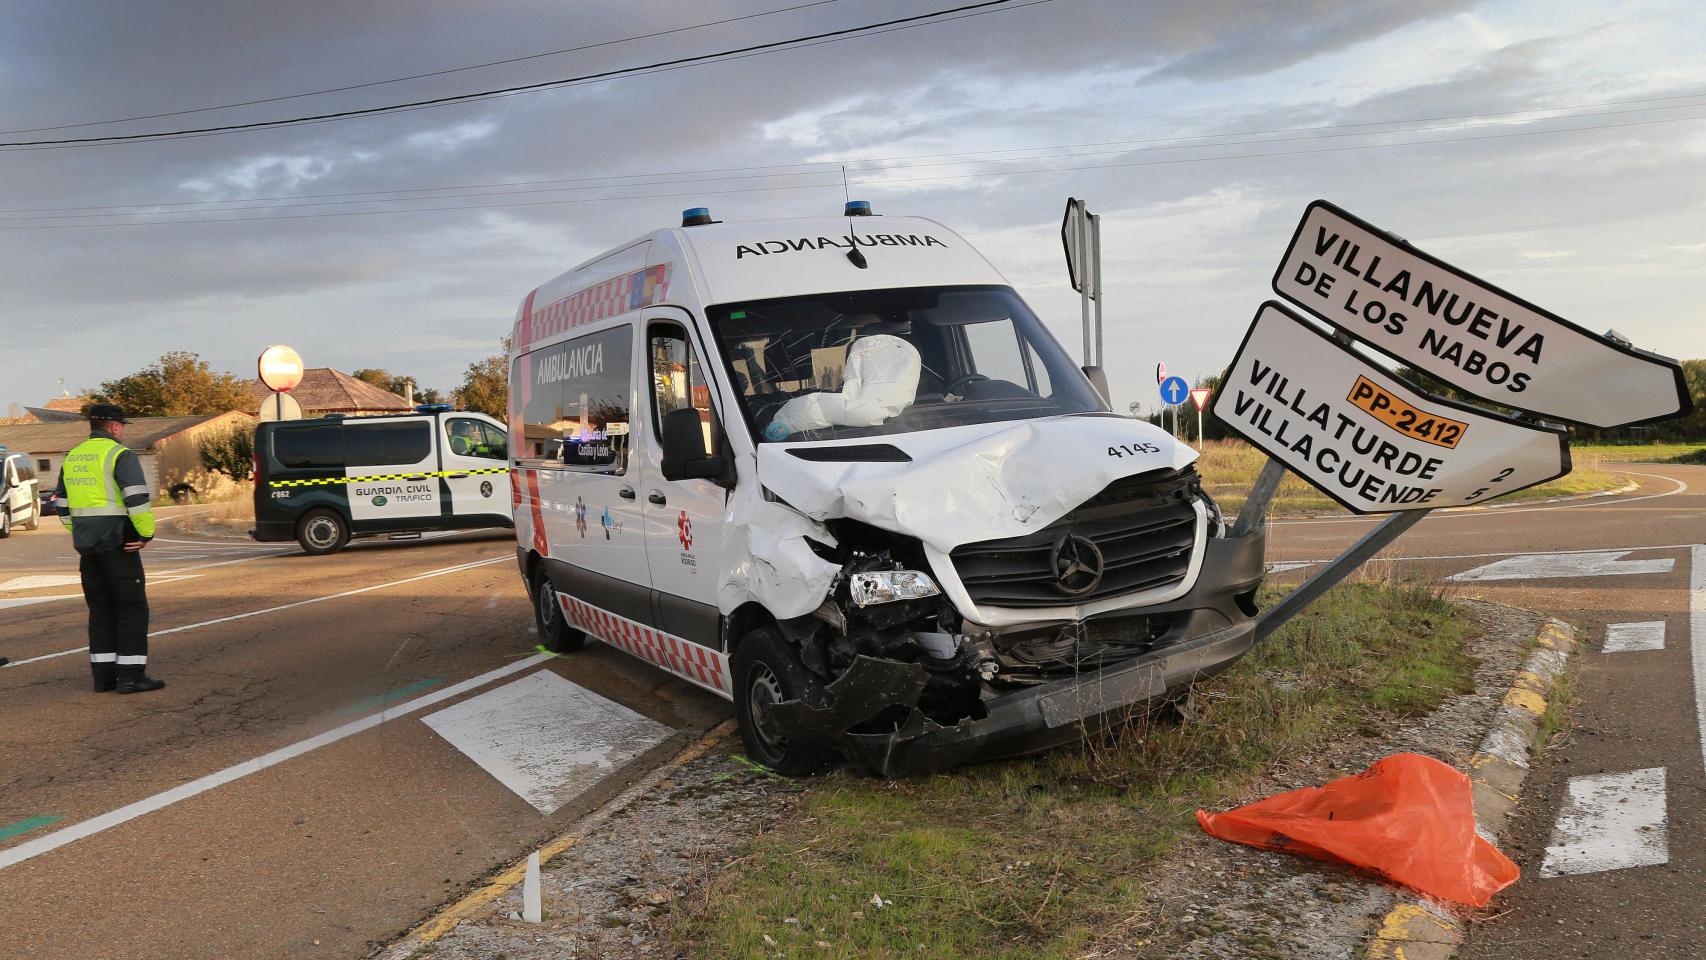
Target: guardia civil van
x=835, y=470
x=323, y=481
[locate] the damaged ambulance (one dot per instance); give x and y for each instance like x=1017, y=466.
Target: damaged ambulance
x=834, y=470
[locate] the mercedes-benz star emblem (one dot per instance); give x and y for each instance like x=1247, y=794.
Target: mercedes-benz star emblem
x=1077, y=566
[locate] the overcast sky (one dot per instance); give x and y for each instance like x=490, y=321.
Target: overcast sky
x=1110, y=98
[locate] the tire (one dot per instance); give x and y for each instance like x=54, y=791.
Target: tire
x=322, y=532
x=35, y=516
x=555, y=634
x=5, y=520
x=765, y=671
x=181, y=493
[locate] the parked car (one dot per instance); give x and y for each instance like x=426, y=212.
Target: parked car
x=20, y=492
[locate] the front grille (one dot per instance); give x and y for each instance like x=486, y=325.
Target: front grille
x=1144, y=526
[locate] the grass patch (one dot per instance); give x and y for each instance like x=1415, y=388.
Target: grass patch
x=1636, y=452
x=1037, y=858
x=1556, y=720
x=1229, y=467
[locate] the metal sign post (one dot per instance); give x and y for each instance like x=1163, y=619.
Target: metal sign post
x=1081, y=236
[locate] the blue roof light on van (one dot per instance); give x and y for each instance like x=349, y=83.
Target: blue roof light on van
x=696, y=216
x=858, y=208
x=432, y=407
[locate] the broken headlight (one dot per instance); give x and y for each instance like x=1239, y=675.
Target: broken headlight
x=887, y=586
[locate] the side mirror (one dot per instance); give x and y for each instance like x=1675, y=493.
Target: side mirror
x=1099, y=380
x=684, y=456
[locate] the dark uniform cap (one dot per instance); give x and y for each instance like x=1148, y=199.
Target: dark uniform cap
x=106, y=411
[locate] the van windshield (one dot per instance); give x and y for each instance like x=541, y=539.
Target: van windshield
x=876, y=362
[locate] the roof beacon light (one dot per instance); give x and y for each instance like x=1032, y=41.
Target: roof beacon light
x=432, y=407
x=696, y=217
x=858, y=208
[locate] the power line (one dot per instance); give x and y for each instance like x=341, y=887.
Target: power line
x=422, y=76
x=872, y=182
x=970, y=9
x=830, y=167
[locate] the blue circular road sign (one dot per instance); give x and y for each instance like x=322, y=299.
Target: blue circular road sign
x=1174, y=390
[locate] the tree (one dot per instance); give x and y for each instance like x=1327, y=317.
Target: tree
x=485, y=387
x=231, y=453
x=398, y=384
x=179, y=384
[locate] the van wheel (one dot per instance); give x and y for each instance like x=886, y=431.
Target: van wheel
x=321, y=532
x=766, y=672
x=5, y=520
x=181, y=493
x=35, y=516
x=555, y=634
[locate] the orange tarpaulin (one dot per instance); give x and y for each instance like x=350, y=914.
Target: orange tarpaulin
x=1409, y=818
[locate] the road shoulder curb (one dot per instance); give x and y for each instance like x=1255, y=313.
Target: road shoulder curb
x=1419, y=929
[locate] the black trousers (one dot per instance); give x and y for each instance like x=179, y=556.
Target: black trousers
x=114, y=587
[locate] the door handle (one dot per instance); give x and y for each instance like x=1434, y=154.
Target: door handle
x=626, y=493
x=656, y=497
x=415, y=476
x=459, y=476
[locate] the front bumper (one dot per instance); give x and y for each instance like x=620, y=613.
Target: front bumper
x=1217, y=626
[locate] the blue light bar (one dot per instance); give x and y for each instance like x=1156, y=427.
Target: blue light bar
x=432, y=407
x=696, y=216
x=858, y=208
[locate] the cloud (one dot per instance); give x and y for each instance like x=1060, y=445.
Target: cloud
x=1191, y=237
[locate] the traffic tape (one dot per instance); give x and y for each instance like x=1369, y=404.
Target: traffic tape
x=322, y=481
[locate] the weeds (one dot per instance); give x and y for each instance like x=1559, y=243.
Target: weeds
x=1034, y=858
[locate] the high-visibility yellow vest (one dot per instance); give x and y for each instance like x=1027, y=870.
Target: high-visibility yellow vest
x=92, y=491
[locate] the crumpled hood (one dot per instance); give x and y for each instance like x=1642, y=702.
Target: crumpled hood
x=967, y=484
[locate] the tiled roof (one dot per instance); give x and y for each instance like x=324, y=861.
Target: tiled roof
x=324, y=390
x=140, y=434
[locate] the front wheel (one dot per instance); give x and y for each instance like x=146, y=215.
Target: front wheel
x=5, y=520
x=322, y=532
x=767, y=672
x=35, y=516
x=555, y=634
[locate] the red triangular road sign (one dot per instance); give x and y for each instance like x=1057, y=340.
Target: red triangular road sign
x=1199, y=396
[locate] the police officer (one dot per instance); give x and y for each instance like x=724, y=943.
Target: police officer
x=103, y=499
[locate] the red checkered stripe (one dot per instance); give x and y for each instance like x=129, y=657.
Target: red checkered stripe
x=690, y=661
x=607, y=299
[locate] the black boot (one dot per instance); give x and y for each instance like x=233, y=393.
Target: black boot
x=133, y=680
x=106, y=677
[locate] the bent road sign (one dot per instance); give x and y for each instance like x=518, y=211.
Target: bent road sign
x=1469, y=333
x=1082, y=257
x=1366, y=438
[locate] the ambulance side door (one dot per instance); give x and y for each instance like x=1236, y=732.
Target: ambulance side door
x=684, y=518
x=476, y=471
x=576, y=411
x=390, y=463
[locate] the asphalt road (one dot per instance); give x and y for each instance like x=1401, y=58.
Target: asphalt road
x=269, y=803
x=217, y=826
x=1615, y=873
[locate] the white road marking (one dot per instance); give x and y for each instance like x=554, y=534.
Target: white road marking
x=283, y=606
x=1697, y=635
x=1507, y=510
x=1287, y=565
x=1624, y=637
x=26, y=601
x=546, y=738
x=1611, y=821
x=1539, y=566
x=39, y=581
x=147, y=805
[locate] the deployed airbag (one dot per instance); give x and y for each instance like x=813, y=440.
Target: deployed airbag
x=879, y=381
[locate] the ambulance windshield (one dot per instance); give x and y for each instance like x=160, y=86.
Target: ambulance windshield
x=874, y=362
